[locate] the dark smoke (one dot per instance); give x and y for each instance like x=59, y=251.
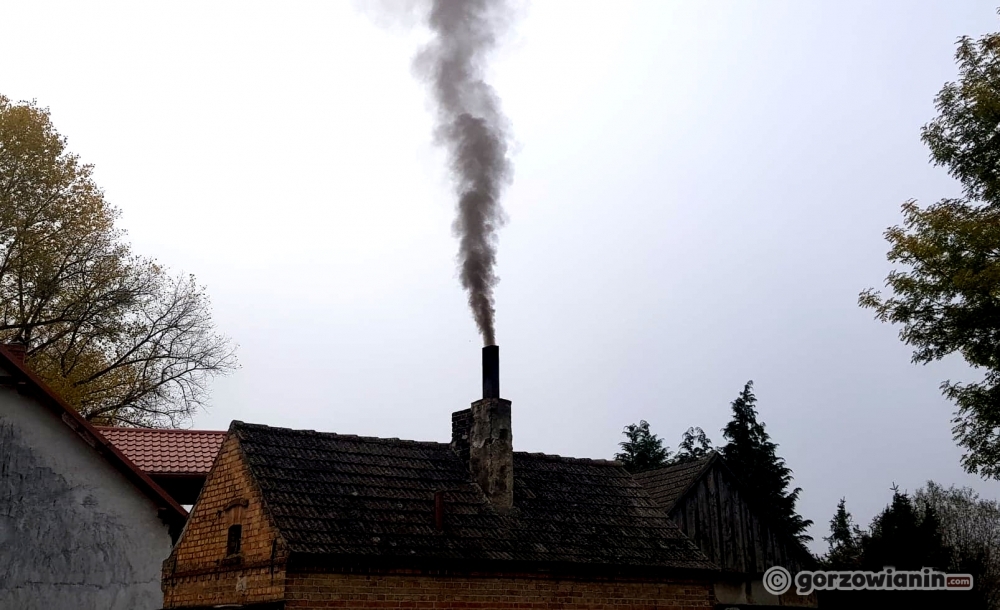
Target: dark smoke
x=475, y=133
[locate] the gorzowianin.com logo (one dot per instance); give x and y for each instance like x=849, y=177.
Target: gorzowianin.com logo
x=778, y=580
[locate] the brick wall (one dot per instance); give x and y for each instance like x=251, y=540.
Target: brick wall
x=198, y=571
x=339, y=590
x=461, y=425
x=199, y=574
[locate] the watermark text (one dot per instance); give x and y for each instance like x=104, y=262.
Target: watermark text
x=778, y=580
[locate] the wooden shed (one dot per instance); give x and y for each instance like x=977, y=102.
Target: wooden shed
x=717, y=512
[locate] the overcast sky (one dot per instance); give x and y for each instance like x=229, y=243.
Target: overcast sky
x=699, y=196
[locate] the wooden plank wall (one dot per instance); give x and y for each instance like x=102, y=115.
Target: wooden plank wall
x=717, y=517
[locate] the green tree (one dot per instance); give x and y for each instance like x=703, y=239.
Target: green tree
x=970, y=528
x=752, y=457
x=905, y=538
x=117, y=336
x=907, y=535
x=642, y=450
x=694, y=446
x=845, y=540
x=946, y=296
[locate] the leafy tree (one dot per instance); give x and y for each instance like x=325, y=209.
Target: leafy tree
x=119, y=338
x=642, y=450
x=694, y=446
x=947, y=296
x=970, y=529
x=752, y=457
x=844, y=540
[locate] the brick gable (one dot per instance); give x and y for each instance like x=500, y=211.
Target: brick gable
x=198, y=573
x=352, y=521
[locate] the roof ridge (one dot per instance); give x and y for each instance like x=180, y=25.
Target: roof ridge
x=337, y=435
x=696, y=463
x=402, y=441
x=160, y=430
x=564, y=458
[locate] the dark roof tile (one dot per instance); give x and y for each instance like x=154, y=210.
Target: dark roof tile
x=340, y=495
x=666, y=485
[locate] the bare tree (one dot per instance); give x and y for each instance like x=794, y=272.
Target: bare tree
x=113, y=333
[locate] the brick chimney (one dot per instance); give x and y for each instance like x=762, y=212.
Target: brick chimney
x=482, y=436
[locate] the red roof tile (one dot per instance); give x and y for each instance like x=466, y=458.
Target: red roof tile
x=159, y=451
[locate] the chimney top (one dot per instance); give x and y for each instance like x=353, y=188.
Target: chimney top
x=491, y=371
x=482, y=436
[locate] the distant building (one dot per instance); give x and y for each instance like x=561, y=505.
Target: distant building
x=303, y=519
x=81, y=526
x=714, y=510
x=177, y=460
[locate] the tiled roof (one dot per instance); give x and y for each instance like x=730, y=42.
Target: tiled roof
x=357, y=497
x=159, y=451
x=666, y=485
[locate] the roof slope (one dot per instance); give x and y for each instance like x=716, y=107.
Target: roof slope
x=666, y=485
x=360, y=497
x=170, y=511
x=167, y=452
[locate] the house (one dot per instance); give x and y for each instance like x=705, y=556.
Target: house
x=707, y=502
x=304, y=519
x=176, y=460
x=80, y=525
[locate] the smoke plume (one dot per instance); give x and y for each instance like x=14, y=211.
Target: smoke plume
x=475, y=133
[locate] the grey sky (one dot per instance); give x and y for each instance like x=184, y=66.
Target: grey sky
x=699, y=194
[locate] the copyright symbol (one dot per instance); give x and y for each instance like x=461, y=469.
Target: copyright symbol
x=777, y=580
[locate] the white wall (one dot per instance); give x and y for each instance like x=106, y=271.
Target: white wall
x=74, y=532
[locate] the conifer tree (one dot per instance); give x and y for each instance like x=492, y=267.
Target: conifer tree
x=642, y=450
x=902, y=538
x=694, y=446
x=844, y=540
x=752, y=457
x=906, y=536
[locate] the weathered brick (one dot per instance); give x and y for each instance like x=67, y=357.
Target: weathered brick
x=393, y=590
x=195, y=573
